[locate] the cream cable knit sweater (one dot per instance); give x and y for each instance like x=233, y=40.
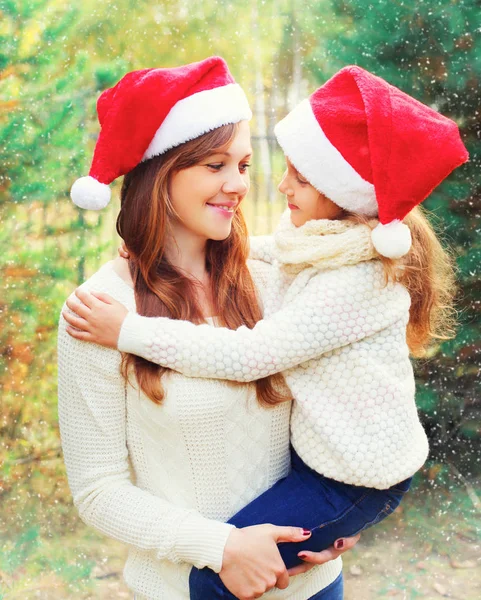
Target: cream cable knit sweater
x=163, y=479
x=339, y=336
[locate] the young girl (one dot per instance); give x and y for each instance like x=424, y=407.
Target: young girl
x=138, y=467
x=351, y=292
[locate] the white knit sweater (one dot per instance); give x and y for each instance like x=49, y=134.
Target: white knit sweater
x=339, y=336
x=163, y=479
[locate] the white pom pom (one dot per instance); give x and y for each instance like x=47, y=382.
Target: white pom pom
x=392, y=240
x=89, y=193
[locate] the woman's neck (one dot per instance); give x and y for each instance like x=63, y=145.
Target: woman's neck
x=187, y=253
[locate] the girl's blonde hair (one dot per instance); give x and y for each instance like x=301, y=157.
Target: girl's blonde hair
x=428, y=273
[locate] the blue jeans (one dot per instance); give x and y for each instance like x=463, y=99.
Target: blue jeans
x=329, y=509
x=334, y=591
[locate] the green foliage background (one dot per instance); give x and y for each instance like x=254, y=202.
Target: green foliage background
x=55, y=59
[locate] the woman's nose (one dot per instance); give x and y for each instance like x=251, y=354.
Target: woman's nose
x=237, y=183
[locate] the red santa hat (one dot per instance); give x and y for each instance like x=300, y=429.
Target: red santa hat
x=153, y=110
x=371, y=149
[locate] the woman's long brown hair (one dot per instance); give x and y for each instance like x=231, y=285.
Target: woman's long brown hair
x=428, y=273
x=162, y=290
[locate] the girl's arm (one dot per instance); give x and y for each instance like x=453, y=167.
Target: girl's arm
x=262, y=247
x=92, y=415
x=336, y=308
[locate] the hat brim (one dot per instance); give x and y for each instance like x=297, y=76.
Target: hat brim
x=314, y=156
x=198, y=114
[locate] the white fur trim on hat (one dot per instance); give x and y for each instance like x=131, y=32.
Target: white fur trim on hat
x=313, y=155
x=89, y=193
x=195, y=115
x=392, y=240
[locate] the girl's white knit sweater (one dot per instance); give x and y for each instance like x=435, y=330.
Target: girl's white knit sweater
x=163, y=479
x=338, y=333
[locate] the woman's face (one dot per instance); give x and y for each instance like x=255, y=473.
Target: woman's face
x=205, y=197
x=303, y=200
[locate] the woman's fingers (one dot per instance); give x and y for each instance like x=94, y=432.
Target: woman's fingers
x=289, y=534
x=319, y=558
x=283, y=581
x=300, y=569
x=75, y=321
x=344, y=544
x=311, y=559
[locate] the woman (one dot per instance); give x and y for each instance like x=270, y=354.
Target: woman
x=348, y=300
x=198, y=450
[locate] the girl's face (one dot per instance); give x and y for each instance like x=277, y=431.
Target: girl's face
x=205, y=197
x=304, y=201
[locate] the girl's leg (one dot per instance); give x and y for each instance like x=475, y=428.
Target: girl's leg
x=304, y=498
x=334, y=591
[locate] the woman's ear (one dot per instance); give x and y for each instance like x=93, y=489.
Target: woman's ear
x=123, y=252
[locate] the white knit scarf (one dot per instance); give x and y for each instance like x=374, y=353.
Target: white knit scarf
x=322, y=244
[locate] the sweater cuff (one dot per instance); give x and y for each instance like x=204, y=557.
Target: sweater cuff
x=201, y=542
x=135, y=335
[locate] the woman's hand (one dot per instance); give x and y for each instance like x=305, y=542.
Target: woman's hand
x=251, y=564
x=311, y=559
x=98, y=318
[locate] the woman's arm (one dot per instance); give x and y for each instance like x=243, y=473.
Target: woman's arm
x=92, y=414
x=335, y=309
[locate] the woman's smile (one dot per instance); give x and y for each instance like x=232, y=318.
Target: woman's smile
x=226, y=209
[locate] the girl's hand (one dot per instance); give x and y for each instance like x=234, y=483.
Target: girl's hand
x=98, y=318
x=122, y=250
x=251, y=564
x=311, y=559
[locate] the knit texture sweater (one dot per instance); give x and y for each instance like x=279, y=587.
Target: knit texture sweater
x=164, y=479
x=337, y=332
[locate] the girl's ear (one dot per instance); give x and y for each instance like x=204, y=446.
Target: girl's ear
x=330, y=209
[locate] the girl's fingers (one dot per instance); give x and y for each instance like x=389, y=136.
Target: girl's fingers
x=78, y=308
x=84, y=336
x=103, y=297
x=86, y=297
x=76, y=322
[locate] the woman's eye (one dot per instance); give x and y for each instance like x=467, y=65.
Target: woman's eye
x=215, y=166
x=243, y=167
x=301, y=181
